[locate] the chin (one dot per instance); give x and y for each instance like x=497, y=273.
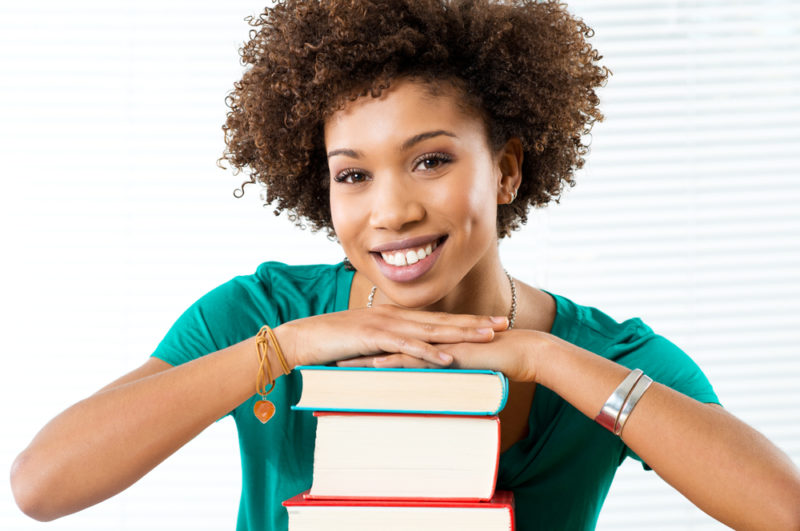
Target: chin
x=413, y=298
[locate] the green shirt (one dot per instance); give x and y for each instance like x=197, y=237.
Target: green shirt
x=560, y=473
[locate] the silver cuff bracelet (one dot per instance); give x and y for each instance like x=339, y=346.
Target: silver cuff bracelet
x=637, y=392
x=613, y=407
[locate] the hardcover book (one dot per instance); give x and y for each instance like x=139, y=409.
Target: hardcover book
x=404, y=456
x=496, y=514
x=432, y=391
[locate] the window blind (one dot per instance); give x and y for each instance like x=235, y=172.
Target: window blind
x=686, y=213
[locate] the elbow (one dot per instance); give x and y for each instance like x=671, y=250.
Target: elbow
x=789, y=516
x=792, y=519
x=28, y=489
x=795, y=524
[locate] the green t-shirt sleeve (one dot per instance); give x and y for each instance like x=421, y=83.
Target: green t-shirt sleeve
x=224, y=316
x=236, y=310
x=663, y=361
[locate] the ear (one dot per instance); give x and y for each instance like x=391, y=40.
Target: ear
x=509, y=162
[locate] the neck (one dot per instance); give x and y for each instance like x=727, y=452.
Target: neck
x=485, y=290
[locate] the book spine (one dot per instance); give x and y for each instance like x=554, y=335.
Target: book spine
x=496, y=460
x=504, y=397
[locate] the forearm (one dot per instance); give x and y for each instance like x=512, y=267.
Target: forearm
x=105, y=443
x=722, y=465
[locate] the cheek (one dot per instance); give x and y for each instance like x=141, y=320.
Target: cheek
x=484, y=211
x=470, y=211
x=477, y=203
x=344, y=217
x=337, y=215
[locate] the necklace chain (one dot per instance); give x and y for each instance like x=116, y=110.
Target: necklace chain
x=512, y=314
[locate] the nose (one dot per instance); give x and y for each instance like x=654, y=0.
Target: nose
x=394, y=203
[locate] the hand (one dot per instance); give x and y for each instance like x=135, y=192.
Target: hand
x=419, y=335
x=512, y=352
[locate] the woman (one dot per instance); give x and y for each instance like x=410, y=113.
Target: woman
x=418, y=135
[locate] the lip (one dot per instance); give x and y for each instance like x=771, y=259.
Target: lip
x=412, y=272
x=418, y=241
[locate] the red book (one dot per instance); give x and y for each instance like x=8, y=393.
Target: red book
x=400, y=456
x=496, y=514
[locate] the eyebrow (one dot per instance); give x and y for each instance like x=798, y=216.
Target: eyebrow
x=416, y=139
x=424, y=136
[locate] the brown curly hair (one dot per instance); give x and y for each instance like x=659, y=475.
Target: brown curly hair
x=525, y=66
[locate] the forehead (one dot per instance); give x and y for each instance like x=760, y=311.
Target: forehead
x=406, y=108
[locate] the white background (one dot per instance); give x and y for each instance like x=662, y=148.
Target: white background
x=115, y=218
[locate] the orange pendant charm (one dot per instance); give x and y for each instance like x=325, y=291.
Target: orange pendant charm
x=263, y=410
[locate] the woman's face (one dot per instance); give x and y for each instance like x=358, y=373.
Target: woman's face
x=414, y=189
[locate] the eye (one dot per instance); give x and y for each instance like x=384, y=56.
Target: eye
x=350, y=176
x=432, y=161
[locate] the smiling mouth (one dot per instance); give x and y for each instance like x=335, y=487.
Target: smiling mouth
x=411, y=255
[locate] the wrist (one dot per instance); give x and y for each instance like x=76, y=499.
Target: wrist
x=580, y=377
x=545, y=357
x=284, y=334
x=534, y=355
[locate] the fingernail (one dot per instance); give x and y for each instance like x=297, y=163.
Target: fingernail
x=378, y=360
x=499, y=320
x=485, y=331
x=445, y=357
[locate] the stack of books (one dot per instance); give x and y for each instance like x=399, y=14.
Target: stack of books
x=403, y=449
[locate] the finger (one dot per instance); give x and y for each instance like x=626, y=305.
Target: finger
x=499, y=355
x=405, y=361
x=361, y=361
x=496, y=323
x=437, y=327
x=401, y=344
x=439, y=333
x=387, y=361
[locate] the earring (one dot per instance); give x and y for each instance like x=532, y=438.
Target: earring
x=513, y=196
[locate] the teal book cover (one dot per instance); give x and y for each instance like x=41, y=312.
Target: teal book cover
x=393, y=390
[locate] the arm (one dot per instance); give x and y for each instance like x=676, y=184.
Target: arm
x=105, y=443
x=721, y=464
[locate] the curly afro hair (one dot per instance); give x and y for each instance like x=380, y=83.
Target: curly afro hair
x=525, y=66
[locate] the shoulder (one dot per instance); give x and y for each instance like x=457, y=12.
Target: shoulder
x=277, y=276
x=631, y=343
x=236, y=309
x=285, y=291
x=272, y=281
x=587, y=326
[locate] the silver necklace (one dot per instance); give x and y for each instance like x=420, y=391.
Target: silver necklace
x=512, y=314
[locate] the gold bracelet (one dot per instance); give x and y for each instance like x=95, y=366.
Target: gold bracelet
x=264, y=409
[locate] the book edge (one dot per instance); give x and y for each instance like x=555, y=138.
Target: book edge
x=501, y=405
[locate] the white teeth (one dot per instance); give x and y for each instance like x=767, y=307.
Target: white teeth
x=408, y=257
